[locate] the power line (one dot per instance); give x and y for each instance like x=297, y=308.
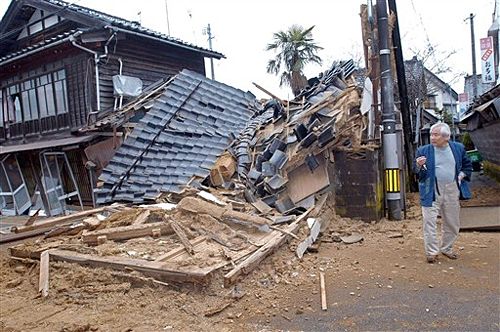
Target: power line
x=429, y=44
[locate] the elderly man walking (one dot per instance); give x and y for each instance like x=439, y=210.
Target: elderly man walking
x=443, y=168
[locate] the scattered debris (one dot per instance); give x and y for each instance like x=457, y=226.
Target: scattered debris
x=214, y=311
x=353, y=238
x=315, y=229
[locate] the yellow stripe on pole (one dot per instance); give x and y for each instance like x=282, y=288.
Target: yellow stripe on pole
x=392, y=180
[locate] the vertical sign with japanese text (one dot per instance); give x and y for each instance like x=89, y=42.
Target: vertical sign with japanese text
x=487, y=60
x=463, y=100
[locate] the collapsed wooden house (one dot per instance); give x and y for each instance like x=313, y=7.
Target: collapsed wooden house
x=230, y=203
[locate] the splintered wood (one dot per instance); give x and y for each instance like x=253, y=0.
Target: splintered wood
x=56, y=221
x=182, y=237
x=268, y=248
x=125, y=232
x=196, y=205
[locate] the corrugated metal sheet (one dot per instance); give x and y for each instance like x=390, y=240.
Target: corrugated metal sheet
x=181, y=136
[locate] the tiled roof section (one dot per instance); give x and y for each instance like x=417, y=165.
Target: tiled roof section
x=181, y=136
x=39, y=45
x=128, y=25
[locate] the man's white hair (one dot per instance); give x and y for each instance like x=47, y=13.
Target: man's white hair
x=444, y=129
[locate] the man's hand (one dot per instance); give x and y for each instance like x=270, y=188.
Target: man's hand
x=421, y=161
x=461, y=177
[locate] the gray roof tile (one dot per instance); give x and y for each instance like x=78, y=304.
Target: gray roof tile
x=174, y=151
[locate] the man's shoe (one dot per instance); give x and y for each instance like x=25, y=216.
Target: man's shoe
x=450, y=255
x=431, y=259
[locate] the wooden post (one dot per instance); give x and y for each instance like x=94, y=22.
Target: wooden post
x=323, y=291
x=43, y=282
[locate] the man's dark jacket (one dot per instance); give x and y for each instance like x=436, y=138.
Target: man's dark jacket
x=427, y=177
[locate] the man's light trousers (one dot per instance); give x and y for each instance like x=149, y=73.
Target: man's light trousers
x=447, y=205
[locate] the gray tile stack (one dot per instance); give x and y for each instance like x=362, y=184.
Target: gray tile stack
x=181, y=136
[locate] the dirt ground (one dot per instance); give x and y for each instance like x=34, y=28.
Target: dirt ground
x=282, y=294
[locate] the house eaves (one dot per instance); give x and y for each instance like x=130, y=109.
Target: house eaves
x=38, y=47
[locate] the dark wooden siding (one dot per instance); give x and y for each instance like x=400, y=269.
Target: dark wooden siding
x=81, y=89
x=79, y=69
x=146, y=59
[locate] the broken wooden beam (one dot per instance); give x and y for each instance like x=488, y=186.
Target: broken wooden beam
x=126, y=232
x=33, y=218
x=28, y=252
x=57, y=220
x=12, y=237
x=156, y=270
x=269, y=247
x=177, y=251
x=142, y=218
x=283, y=102
x=182, y=237
x=199, y=206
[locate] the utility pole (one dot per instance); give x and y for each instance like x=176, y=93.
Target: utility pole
x=403, y=97
x=389, y=138
x=452, y=111
x=208, y=31
x=473, y=46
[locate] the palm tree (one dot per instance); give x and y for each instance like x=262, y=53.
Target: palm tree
x=295, y=48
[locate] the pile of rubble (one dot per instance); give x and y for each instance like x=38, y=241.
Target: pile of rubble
x=257, y=193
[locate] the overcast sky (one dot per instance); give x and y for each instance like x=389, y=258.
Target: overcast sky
x=242, y=30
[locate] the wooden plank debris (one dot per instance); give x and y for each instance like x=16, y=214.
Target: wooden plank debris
x=269, y=247
x=125, y=232
x=323, y=291
x=158, y=270
x=47, y=223
x=175, y=252
x=218, y=309
x=196, y=205
x=22, y=252
x=182, y=237
x=33, y=218
x=142, y=218
x=43, y=282
x=12, y=237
